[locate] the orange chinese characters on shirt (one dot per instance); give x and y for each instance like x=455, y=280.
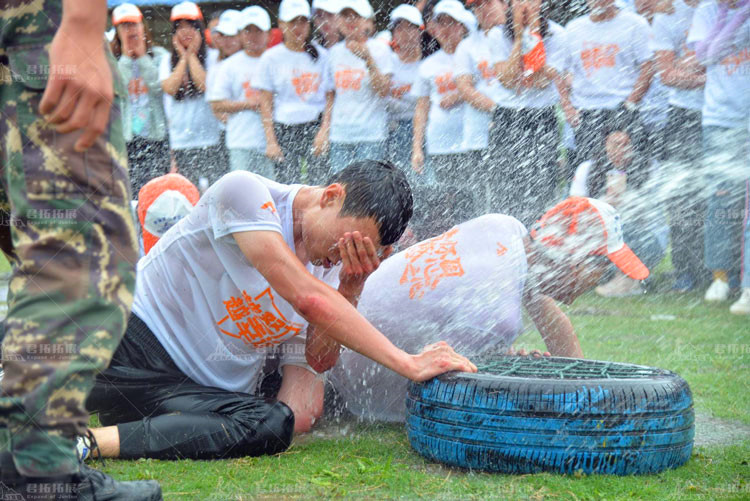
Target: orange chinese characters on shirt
x=349, y=78
x=137, y=87
x=306, y=84
x=734, y=62
x=445, y=83
x=429, y=262
x=485, y=70
x=250, y=93
x=596, y=56
x=253, y=324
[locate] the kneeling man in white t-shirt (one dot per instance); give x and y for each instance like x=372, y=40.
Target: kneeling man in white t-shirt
x=467, y=287
x=255, y=266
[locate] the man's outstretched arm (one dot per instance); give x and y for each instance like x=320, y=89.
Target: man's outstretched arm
x=554, y=326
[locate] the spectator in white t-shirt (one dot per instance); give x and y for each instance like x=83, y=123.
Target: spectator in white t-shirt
x=680, y=71
x=438, y=125
x=610, y=71
x=144, y=123
x=489, y=269
x=326, y=22
x=292, y=96
x=480, y=89
x=532, y=55
x=193, y=129
x=235, y=92
x=406, y=27
x=357, y=82
x=256, y=267
x=719, y=35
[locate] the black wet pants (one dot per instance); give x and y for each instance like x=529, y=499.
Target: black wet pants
x=161, y=413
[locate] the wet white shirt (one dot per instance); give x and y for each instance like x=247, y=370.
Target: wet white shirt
x=606, y=58
x=190, y=121
x=359, y=113
x=727, y=92
x=463, y=287
x=436, y=80
x=236, y=81
x=404, y=75
x=296, y=83
x=474, y=56
x=213, y=312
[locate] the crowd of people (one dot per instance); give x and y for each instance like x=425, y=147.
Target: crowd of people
x=487, y=107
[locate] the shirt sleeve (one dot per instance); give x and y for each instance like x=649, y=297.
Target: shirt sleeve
x=641, y=40
x=462, y=59
x=263, y=80
x=240, y=201
x=701, y=25
x=557, y=51
x=421, y=87
x=662, y=36
x=383, y=57
x=164, y=68
x=221, y=83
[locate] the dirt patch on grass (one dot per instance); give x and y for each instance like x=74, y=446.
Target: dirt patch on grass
x=714, y=431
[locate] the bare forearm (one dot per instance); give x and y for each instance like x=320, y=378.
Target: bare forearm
x=227, y=106
x=471, y=95
x=683, y=79
x=420, y=121
x=197, y=73
x=266, y=115
x=555, y=328
x=648, y=69
x=172, y=83
x=381, y=83
x=509, y=71
x=87, y=17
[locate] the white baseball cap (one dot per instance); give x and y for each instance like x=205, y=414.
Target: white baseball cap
x=292, y=9
x=408, y=13
x=228, y=22
x=580, y=227
x=166, y=211
x=453, y=9
x=255, y=15
x=331, y=6
x=126, y=13
x=186, y=10
x=361, y=7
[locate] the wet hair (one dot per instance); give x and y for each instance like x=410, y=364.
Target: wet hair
x=376, y=189
x=189, y=90
x=544, y=11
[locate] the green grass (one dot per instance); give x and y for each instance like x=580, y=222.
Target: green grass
x=705, y=344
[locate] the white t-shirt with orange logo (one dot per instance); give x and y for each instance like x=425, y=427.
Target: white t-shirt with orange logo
x=235, y=80
x=191, y=122
x=359, y=114
x=401, y=103
x=436, y=80
x=296, y=82
x=464, y=287
x=213, y=312
x=474, y=57
x=606, y=58
x=727, y=92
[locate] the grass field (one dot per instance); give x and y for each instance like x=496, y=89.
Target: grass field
x=705, y=344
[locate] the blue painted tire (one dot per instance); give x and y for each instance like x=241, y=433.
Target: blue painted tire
x=599, y=417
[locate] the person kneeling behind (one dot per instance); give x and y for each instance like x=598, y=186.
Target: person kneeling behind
x=467, y=287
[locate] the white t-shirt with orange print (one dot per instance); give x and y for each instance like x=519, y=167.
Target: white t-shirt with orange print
x=296, y=82
x=235, y=80
x=436, y=80
x=727, y=92
x=606, y=58
x=213, y=312
x=464, y=287
x=359, y=114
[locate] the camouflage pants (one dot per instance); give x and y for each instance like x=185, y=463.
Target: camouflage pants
x=68, y=229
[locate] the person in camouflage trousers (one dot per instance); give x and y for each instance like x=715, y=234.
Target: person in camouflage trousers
x=66, y=226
